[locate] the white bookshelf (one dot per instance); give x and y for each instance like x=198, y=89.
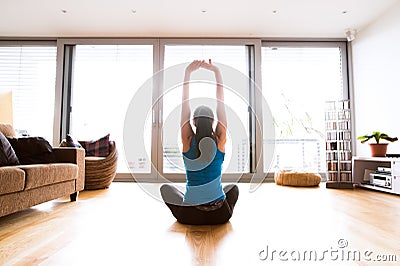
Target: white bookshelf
x=338, y=144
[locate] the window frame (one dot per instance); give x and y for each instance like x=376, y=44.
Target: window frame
x=63, y=93
x=255, y=74
x=343, y=46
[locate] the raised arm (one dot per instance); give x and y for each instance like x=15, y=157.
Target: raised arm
x=186, y=129
x=220, y=130
x=221, y=114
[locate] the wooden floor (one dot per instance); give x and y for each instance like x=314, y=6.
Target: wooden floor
x=123, y=225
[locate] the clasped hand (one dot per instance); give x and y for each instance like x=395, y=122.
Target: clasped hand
x=196, y=64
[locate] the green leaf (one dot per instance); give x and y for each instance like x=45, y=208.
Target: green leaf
x=386, y=137
x=377, y=136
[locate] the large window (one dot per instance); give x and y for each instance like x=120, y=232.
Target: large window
x=30, y=73
x=298, y=79
x=105, y=80
x=98, y=80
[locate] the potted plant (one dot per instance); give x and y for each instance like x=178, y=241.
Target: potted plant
x=378, y=149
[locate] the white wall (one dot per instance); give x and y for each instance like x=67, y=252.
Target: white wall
x=376, y=70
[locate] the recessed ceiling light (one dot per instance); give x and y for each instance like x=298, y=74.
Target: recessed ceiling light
x=344, y=12
x=133, y=11
x=203, y=11
x=64, y=11
x=274, y=11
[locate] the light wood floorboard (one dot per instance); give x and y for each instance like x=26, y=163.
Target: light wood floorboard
x=123, y=225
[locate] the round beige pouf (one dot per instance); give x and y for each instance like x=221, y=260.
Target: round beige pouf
x=297, y=178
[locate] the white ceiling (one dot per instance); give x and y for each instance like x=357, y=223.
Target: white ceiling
x=186, y=18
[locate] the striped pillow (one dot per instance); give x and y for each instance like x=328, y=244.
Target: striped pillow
x=97, y=148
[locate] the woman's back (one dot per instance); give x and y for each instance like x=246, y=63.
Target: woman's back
x=203, y=177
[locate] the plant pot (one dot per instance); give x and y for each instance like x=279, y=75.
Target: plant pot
x=378, y=150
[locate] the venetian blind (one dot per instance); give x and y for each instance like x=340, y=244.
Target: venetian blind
x=30, y=73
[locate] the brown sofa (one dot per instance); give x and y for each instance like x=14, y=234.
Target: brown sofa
x=23, y=186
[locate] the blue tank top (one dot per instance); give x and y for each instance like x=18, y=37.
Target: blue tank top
x=203, y=177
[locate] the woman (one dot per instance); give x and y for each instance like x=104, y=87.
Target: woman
x=205, y=201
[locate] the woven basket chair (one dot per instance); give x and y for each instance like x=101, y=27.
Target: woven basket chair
x=100, y=171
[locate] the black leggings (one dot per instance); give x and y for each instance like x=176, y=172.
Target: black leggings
x=190, y=214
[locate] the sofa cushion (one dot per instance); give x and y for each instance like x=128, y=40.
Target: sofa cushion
x=12, y=179
x=7, y=154
x=37, y=175
x=32, y=150
x=71, y=142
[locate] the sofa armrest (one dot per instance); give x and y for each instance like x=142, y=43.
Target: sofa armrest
x=75, y=156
